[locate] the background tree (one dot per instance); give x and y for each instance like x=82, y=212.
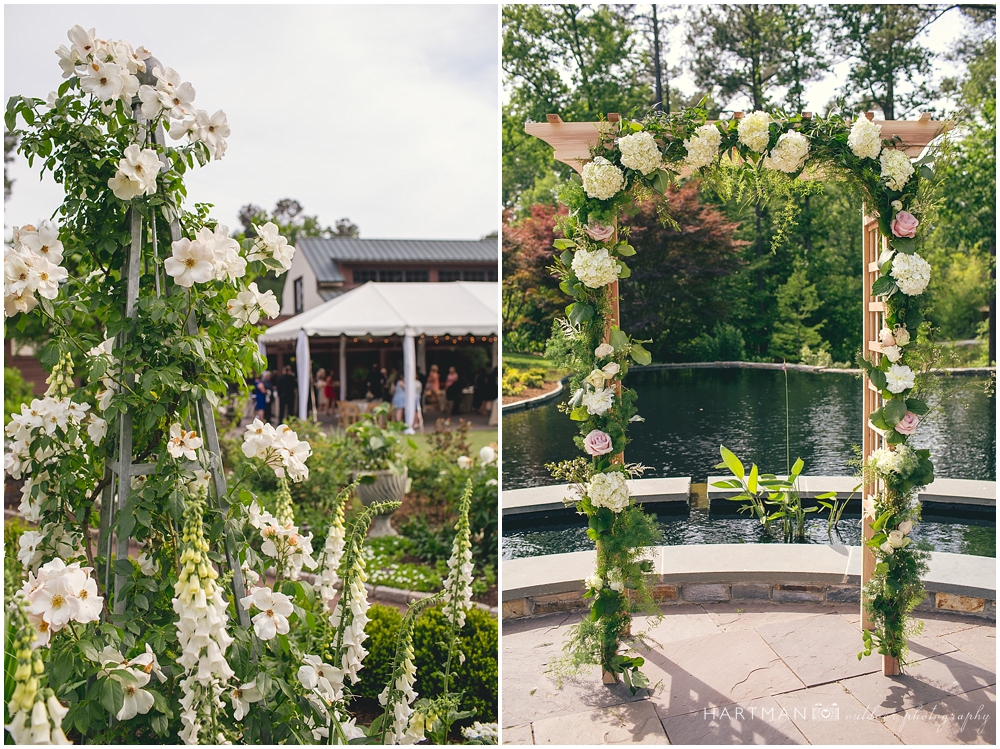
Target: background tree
x=678, y=288
x=794, y=326
x=580, y=62
x=9, y=146
x=531, y=295
x=292, y=224
x=881, y=41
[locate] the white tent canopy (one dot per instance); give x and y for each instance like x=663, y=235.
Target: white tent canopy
x=384, y=309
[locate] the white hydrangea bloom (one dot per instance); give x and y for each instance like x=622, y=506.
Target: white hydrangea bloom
x=896, y=168
x=640, y=152
x=609, y=490
x=899, y=378
x=595, y=268
x=703, y=146
x=911, y=272
x=602, y=179
x=753, y=130
x=789, y=153
x=865, y=138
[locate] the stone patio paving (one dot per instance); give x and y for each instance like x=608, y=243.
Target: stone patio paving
x=756, y=673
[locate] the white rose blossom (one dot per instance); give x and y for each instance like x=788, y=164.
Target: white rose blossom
x=136, y=173
x=605, y=349
x=274, y=610
x=602, y=179
x=598, y=401
x=595, y=268
x=754, y=130
x=270, y=244
x=640, y=152
x=248, y=305
x=899, y=378
x=191, y=262
x=865, y=138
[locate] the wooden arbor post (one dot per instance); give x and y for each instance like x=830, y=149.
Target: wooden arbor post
x=572, y=142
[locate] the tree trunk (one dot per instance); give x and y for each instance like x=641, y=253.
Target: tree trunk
x=659, y=103
x=993, y=306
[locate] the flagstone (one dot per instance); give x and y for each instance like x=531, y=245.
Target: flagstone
x=829, y=714
x=634, y=723
x=928, y=680
x=963, y=719
x=979, y=642
x=680, y=622
x=755, y=721
x=818, y=649
x=517, y=735
x=750, y=614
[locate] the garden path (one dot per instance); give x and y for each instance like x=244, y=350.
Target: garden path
x=757, y=673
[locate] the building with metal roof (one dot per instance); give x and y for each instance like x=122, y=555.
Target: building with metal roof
x=324, y=267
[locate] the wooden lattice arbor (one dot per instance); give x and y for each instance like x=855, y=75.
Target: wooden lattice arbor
x=573, y=142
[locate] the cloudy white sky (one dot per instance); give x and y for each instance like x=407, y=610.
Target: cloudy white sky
x=384, y=114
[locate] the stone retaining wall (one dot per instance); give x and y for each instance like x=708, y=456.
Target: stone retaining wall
x=678, y=593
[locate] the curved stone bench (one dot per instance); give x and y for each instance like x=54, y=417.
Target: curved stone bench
x=723, y=572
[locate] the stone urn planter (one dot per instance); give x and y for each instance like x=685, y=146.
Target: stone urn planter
x=387, y=487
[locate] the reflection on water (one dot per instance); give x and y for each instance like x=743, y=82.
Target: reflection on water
x=690, y=412
x=969, y=537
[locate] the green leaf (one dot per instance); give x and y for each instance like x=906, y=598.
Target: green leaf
x=877, y=376
x=752, y=479
x=917, y=406
x=623, y=270
x=732, y=463
x=564, y=244
x=878, y=420
x=625, y=250
x=579, y=414
x=893, y=411
x=566, y=258
x=797, y=468
x=123, y=567
x=578, y=312
x=640, y=355
x=618, y=339
x=883, y=286
x=659, y=181
x=926, y=173
x=906, y=245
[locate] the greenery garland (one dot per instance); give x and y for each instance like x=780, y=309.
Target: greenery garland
x=752, y=158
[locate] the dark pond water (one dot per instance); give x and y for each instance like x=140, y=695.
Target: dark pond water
x=690, y=412
x=967, y=537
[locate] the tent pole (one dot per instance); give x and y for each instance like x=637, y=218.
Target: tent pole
x=304, y=372
x=410, y=375
x=342, y=373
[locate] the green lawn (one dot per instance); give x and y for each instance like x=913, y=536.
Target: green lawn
x=527, y=361
x=478, y=439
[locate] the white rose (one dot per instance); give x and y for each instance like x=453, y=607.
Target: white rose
x=897, y=540
x=639, y=152
x=892, y=353
x=754, y=131
x=887, y=548
x=605, y=349
x=596, y=379
x=487, y=455
x=897, y=205
x=464, y=461
x=902, y=335
x=865, y=138
x=594, y=582
x=905, y=527
x=611, y=370
x=602, y=179
x=899, y=378
x=598, y=401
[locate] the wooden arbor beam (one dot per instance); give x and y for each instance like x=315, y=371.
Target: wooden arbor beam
x=573, y=142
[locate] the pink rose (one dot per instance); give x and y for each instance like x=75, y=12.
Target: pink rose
x=908, y=424
x=597, y=443
x=600, y=233
x=905, y=224
x=886, y=338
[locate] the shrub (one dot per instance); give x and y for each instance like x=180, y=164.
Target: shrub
x=477, y=677
x=819, y=358
x=511, y=385
x=534, y=377
x=15, y=392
